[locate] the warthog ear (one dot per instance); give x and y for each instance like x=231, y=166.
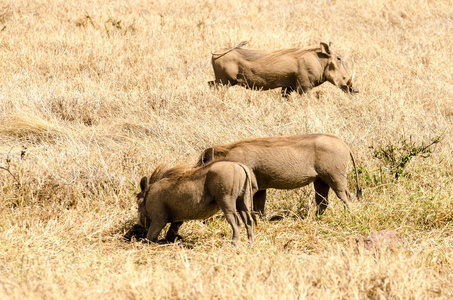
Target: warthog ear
x=144, y=183
x=207, y=156
x=325, y=48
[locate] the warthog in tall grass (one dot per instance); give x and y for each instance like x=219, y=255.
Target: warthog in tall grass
x=292, y=69
x=384, y=239
x=182, y=193
x=288, y=162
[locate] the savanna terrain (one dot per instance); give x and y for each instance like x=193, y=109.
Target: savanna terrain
x=96, y=94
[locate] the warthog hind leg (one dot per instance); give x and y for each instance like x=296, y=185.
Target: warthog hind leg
x=345, y=196
x=248, y=221
x=228, y=206
x=233, y=221
x=339, y=186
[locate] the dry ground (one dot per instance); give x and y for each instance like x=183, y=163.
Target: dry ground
x=95, y=94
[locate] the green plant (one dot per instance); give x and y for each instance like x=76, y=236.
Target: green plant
x=397, y=157
x=368, y=176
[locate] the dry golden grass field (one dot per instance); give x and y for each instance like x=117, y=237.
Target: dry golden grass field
x=96, y=94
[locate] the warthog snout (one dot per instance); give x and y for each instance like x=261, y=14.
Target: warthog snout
x=349, y=88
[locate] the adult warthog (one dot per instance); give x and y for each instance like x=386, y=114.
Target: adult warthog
x=292, y=69
x=182, y=193
x=288, y=162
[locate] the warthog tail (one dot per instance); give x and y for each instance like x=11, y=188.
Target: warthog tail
x=359, y=189
x=241, y=44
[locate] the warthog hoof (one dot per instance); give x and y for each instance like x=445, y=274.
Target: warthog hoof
x=174, y=238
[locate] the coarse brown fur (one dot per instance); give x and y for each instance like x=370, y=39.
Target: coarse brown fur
x=182, y=193
x=292, y=161
x=294, y=69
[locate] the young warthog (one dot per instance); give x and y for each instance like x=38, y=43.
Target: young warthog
x=291, y=69
x=288, y=162
x=181, y=193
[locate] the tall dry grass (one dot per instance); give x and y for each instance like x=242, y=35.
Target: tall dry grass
x=95, y=94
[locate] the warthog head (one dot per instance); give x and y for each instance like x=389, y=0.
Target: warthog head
x=335, y=71
x=141, y=202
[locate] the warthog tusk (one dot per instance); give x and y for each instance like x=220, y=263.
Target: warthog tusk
x=352, y=79
x=353, y=72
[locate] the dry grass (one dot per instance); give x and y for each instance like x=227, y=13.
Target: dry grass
x=98, y=93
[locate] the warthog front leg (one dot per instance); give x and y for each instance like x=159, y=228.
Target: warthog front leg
x=218, y=83
x=286, y=91
x=155, y=228
x=172, y=232
x=259, y=202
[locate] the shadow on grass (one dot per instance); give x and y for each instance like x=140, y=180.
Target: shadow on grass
x=286, y=213
x=137, y=232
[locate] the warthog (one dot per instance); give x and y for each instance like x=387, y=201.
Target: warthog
x=181, y=193
x=292, y=69
x=288, y=162
x=384, y=239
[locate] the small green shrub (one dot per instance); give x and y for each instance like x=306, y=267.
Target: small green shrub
x=397, y=156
